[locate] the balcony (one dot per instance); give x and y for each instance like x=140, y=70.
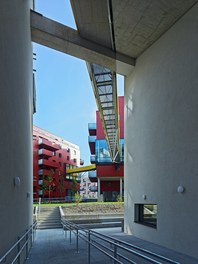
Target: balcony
x=92, y=143
x=92, y=129
x=93, y=188
x=48, y=163
x=44, y=153
x=92, y=176
x=40, y=182
x=93, y=159
x=46, y=144
x=40, y=192
x=43, y=172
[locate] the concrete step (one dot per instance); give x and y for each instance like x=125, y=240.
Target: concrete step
x=50, y=226
x=49, y=218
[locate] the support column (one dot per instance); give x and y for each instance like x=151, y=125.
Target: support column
x=99, y=189
x=16, y=107
x=86, y=184
x=121, y=187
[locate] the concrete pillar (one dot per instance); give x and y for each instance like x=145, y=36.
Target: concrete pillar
x=16, y=104
x=86, y=184
x=121, y=187
x=99, y=189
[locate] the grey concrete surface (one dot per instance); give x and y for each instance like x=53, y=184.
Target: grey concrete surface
x=52, y=246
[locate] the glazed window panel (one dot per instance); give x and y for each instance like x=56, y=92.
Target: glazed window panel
x=146, y=214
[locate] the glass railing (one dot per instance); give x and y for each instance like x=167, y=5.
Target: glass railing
x=92, y=174
x=91, y=126
x=40, y=161
x=102, y=152
x=93, y=158
x=91, y=139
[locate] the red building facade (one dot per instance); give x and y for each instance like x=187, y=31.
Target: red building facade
x=109, y=175
x=52, y=155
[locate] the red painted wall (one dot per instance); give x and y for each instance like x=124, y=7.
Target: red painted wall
x=110, y=171
x=110, y=186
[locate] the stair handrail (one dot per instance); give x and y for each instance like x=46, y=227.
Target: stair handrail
x=98, y=240
x=20, y=248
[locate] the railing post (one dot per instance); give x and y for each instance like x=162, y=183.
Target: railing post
x=66, y=229
x=27, y=239
x=39, y=207
x=77, y=240
x=89, y=247
x=115, y=252
x=18, y=250
x=70, y=234
x=32, y=235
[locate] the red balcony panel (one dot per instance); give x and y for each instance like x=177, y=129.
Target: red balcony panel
x=46, y=144
x=110, y=170
x=92, y=132
x=44, y=153
x=48, y=163
x=92, y=129
x=109, y=186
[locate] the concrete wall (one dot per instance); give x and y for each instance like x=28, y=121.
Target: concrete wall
x=16, y=120
x=161, y=137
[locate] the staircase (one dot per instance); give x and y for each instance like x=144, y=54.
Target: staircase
x=49, y=218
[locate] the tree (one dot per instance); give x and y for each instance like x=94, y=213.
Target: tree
x=48, y=183
x=78, y=198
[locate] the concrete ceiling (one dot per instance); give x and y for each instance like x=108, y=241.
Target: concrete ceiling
x=127, y=26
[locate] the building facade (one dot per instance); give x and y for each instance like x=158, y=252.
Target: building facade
x=109, y=176
x=161, y=143
x=52, y=155
x=88, y=189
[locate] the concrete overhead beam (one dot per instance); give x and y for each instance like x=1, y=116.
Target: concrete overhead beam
x=57, y=36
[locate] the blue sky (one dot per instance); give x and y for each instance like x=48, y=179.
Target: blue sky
x=65, y=100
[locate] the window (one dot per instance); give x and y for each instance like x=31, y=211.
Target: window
x=146, y=214
x=60, y=155
x=67, y=157
x=60, y=164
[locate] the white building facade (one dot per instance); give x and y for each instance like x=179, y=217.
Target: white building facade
x=161, y=139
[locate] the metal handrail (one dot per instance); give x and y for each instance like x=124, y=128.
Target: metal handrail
x=145, y=251
x=98, y=240
x=20, y=248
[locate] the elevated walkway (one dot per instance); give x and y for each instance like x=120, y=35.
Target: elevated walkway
x=81, y=169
